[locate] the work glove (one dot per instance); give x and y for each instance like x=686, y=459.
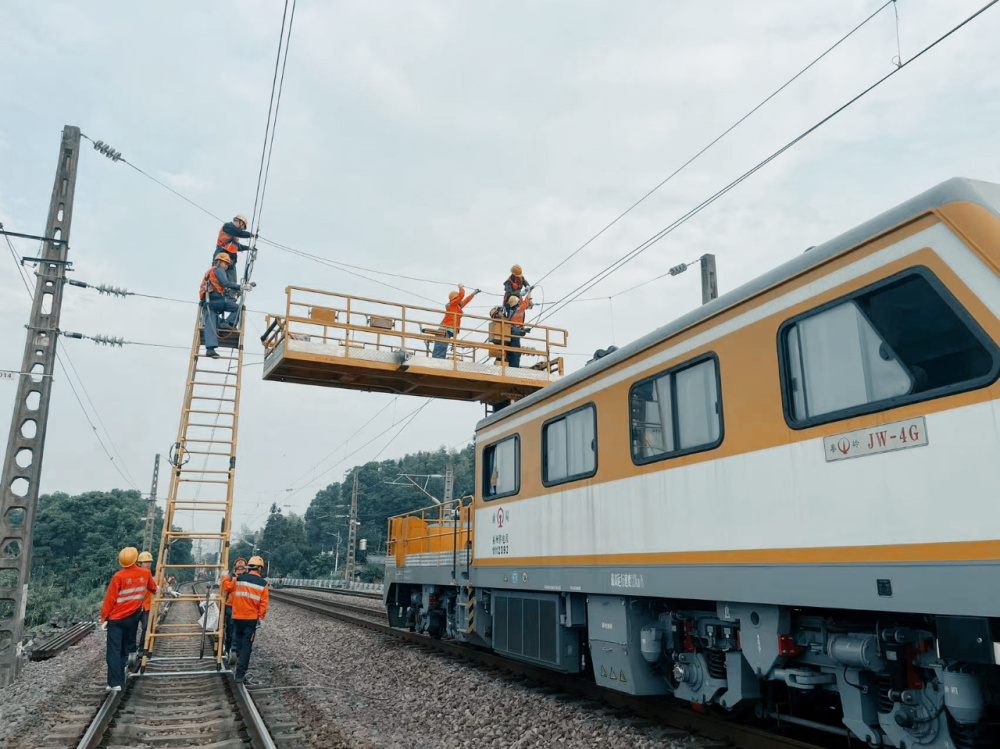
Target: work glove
x=246, y=286
x=476, y=292
x=104, y=625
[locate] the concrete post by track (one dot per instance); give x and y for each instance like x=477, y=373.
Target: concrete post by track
x=22, y=466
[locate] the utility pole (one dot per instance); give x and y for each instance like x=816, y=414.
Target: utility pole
x=352, y=534
x=449, y=483
x=147, y=539
x=709, y=281
x=22, y=467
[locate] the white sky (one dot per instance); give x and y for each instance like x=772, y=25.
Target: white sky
x=444, y=140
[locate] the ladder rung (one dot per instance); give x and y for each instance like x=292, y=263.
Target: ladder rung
x=210, y=426
x=225, y=373
x=209, y=442
x=203, y=411
x=212, y=398
x=201, y=481
x=204, y=452
x=199, y=470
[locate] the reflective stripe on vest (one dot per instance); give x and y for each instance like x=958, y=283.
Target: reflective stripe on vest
x=225, y=241
x=210, y=283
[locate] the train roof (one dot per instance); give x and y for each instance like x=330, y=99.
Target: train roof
x=957, y=189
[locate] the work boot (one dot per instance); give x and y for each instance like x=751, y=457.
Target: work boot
x=211, y=353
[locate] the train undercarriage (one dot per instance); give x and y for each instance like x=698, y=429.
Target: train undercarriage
x=892, y=680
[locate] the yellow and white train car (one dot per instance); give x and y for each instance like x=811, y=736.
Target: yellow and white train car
x=796, y=483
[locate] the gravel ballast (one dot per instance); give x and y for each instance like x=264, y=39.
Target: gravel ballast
x=52, y=701
x=379, y=692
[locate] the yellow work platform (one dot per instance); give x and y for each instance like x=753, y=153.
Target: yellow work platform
x=342, y=341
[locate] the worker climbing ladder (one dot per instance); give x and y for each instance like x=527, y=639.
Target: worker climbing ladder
x=202, y=475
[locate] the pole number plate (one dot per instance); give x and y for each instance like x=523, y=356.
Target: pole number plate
x=884, y=438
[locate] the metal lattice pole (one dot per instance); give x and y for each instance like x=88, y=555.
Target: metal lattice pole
x=22, y=466
x=352, y=534
x=147, y=539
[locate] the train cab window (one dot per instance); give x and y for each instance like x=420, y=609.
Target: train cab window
x=569, y=446
x=903, y=340
x=676, y=412
x=502, y=468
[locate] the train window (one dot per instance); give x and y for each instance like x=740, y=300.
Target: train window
x=569, y=446
x=903, y=340
x=502, y=468
x=676, y=412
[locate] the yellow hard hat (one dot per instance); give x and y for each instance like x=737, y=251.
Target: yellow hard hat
x=238, y=560
x=513, y=299
x=240, y=217
x=255, y=562
x=127, y=556
x=453, y=295
x=516, y=270
x=224, y=256
x=145, y=557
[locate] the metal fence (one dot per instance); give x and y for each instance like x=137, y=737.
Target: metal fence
x=297, y=582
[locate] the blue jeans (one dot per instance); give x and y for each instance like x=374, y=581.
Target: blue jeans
x=514, y=357
x=217, y=306
x=441, y=347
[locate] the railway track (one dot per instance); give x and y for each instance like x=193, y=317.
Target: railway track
x=182, y=699
x=703, y=725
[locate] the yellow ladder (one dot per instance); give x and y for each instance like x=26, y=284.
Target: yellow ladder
x=203, y=470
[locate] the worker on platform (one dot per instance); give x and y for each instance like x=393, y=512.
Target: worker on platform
x=250, y=596
x=513, y=311
x=452, y=321
x=146, y=562
x=239, y=567
x=228, y=234
x=215, y=303
x=516, y=283
x=120, y=612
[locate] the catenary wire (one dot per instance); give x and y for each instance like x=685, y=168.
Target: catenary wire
x=635, y=252
x=718, y=138
x=270, y=107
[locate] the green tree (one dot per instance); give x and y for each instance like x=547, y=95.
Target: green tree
x=75, y=548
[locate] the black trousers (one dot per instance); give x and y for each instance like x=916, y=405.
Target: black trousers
x=119, y=632
x=143, y=625
x=227, y=641
x=243, y=633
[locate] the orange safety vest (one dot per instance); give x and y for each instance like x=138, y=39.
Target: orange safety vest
x=126, y=592
x=517, y=316
x=211, y=283
x=249, y=595
x=226, y=243
x=516, y=284
x=453, y=318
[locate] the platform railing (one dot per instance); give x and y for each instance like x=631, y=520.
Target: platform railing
x=359, y=324
x=440, y=534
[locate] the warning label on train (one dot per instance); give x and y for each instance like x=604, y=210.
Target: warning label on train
x=884, y=438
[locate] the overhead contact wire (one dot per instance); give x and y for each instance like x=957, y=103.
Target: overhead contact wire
x=719, y=137
x=638, y=250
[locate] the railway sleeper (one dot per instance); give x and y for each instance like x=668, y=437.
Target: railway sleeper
x=898, y=680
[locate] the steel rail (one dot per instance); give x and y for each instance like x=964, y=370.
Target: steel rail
x=252, y=719
x=746, y=737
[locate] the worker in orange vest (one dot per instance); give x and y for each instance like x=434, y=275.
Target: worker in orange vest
x=228, y=234
x=215, y=303
x=239, y=567
x=120, y=611
x=514, y=311
x=250, y=598
x=452, y=321
x=515, y=284
x=146, y=562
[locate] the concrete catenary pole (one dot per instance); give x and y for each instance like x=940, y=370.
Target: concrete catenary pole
x=352, y=534
x=709, y=281
x=22, y=467
x=147, y=539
